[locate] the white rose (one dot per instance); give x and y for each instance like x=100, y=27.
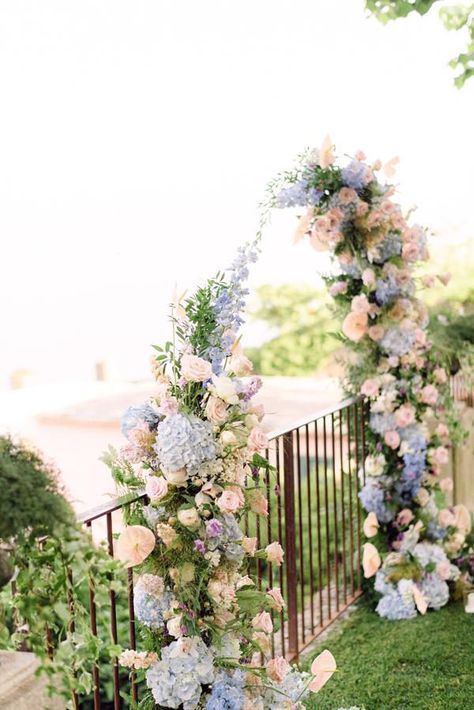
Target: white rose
x=195, y=369
x=216, y=410
x=224, y=388
x=251, y=420
x=174, y=626
x=374, y=465
x=189, y=517
x=228, y=438
x=176, y=478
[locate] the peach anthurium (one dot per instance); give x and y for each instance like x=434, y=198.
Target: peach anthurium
x=420, y=600
x=370, y=560
x=134, y=545
x=371, y=525
x=326, y=153
x=462, y=518
x=304, y=225
x=322, y=669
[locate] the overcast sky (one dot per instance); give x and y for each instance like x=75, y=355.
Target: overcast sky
x=136, y=139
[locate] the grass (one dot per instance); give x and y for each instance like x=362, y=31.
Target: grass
x=421, y=664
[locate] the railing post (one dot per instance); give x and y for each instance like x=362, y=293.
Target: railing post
x=290, y=543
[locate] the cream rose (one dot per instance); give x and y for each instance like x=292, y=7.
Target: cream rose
x=216, y=410
x=275, y=553
x=195, y=369
x=224, y=388
x=189, y=518
x=176, y=478
x=156, y=488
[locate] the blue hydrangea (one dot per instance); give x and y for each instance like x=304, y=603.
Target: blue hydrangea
x=392, y=606
x=391, y=246
x=176, y=680
x=356, y=175
x=398, y=341
x=426, y=553
x=154, y=515
x=381, y=585
x=137, y=415
x=386, y=291
x=184, y=442
x=227, y=691
x=436, y=591
x=149, y=609
x=435, y=532
x=372, y=499
x=298, y=195
x=381, y=423
x=414, y=463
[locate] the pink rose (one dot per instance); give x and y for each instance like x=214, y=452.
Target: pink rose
x=337, y=288
x=258, y=503
x=440, y=375
x=360, y=304
x=249, y=545
x=277, y=602
x=216, y=410
x=370, y=560
x=443, y=569
x=277, y=669
x=442, y=430
x=410, y=251
x=195, y=369
x=370, y=388
x=355, y=326
x=376, y=332
x=405, y=517
x=231, y=500
x=446, y=518
x=446, y=485
x=263, y=622
x=392, y=439
x=258, y=440
x=429, y=395
x=405, y=415
x=439, y=456
x=156, y=488
x=275, y=553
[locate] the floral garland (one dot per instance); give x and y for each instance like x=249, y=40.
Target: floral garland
x=196, y=449
x=415, y=537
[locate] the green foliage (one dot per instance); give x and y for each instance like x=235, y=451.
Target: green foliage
x=452, y=332
x=401, y=665
x=31, y=499
x=455, y=17
x=302, y=324
x=53, y=585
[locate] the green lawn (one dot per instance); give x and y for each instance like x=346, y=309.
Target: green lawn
x=422, y=664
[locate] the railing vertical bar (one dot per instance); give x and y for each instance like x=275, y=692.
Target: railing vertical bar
x=72, y=624
x=343, y=512
x=300, y=530
x=326, y=516
x=310, y=526
x=93, y=624
x=280, y=537
x=290, y=552
x=357, y=460
x=113, y=618
x=351, y=512
x=269, y=540
x=318, y=512
x=334, y=489
x=131, y=631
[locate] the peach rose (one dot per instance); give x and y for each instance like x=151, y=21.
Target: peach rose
x=440, y=455
x=258, y=503
x=446, y=485
x=405, y=415
x=322, y=669
x=405, y=517
x=371, y=525
x=231, y=500
x=440, y=375
x=355, y=326
x=376, y=332
x=263, y=622
x=429, y=395
x=240, y=365
x=249, y=545
x=134, y=545
x=275, y=553
x=392, y=439
x=277, y=669
x=277, y=602
x=156, y=488
x=195, y=369
x=370, y=560
x=258, y=440
x=216, y=410
x=462, y=518
x=446, y=518
x=360, y=304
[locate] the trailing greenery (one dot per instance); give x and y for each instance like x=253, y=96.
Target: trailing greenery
x=454, y=17
x=408, y=665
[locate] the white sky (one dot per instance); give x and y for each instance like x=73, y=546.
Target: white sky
x=136, y=139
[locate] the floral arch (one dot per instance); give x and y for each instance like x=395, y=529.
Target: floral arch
x=198, y=446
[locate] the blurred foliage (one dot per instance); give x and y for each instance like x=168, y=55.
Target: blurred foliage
x=452, y=332
x=301, y=327
x=454, y=17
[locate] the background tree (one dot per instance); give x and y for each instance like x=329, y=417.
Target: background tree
x=454, y=17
